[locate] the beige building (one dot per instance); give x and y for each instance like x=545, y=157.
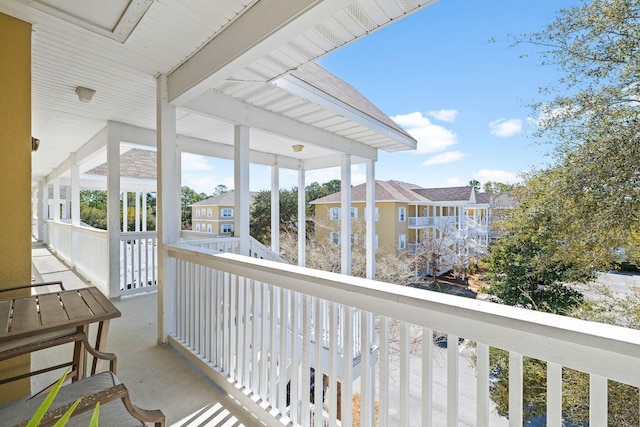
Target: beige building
x=407, y=214
x=216, y=214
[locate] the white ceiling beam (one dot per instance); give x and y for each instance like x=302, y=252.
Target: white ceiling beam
x=217, y=105
x=225, y=151
x=264, y=27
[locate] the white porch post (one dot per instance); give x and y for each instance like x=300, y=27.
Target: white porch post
x=56, y=197
x=137, y=216
x=370, y=220
x=345, y=217
x=241, y=185
x=168, y=208
x=144, y=211
x=113, y=208
x=75, y=207
x=125, y=211
x=275, y=208
x=302, y=218
x=42, y=206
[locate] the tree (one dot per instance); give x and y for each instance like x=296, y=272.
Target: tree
x=260, y=218
x=220, y=190
x=530, y=264
x=475, y=184
x=438, y=250
x=189, y=197
x=93, y=208
x=577, y=211
x=593, y=117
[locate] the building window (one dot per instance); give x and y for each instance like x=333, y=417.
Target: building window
x=198, y=212
x=354, y=213
x=402, y=241
x=226, y=228
x=402, y=214
x=334, y=238
x=197, y=227
x=209, y=230
x=226, y=213
x=209, y=212
x=334, y=214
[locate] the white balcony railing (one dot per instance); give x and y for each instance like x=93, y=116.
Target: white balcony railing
x=251, y=324
x=138, y=262
x=82, y=247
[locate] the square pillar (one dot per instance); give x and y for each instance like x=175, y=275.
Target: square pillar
x=370, y=220
x=113, y=208
x=345, y=217
x=275, y=209
x=302, y=218
x=168, y=208
x=241, y=184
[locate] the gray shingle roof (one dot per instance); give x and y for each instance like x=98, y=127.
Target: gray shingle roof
x=318, y=77
x=387, y=191
x=446, y=194
x=135, y=163
x=225, y=199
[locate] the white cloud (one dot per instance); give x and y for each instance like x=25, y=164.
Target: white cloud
x=505, y=127
x=448, y=157
x=358, y=176
x=484, y=175
x=455, y=182
x=195, y=162
x=444, y=115
x=431, y=138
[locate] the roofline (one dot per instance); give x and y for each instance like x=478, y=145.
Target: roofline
x=317, y=96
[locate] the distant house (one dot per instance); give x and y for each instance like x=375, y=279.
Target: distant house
x=216, y=214
x=407, y=214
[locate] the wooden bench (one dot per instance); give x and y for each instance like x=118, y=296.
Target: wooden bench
x=116, y=408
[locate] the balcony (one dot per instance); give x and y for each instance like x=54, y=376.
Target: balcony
x=250, y=336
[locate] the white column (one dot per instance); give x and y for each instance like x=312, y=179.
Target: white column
x=75, y=207
x=345, y=217
x=275, y=208
x=370, y=220
x=302, y=218
x=137, y=216
x=144, y=211
x=241, y=185
x=113, y=208
x=56, y=197
x=42, y=209
x=168, y=208
x=125, y=211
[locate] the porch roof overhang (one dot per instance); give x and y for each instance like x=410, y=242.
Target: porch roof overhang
x=246, y=51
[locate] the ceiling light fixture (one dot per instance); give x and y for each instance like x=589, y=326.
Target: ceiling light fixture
x=297, y=148
x=84, y=94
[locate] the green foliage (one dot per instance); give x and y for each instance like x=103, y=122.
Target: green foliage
x=475, y=184
x=48, y=401
x=187, y=198
x=260, y=217
x=93, y=208
x=580, y=209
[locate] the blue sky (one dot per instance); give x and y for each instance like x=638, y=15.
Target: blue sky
x=437, y=75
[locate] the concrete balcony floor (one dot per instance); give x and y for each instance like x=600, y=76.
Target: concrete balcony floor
x=156, y=376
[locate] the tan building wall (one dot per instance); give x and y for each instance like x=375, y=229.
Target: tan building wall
x=15, y=174
x=388, y=225
x=215, y=220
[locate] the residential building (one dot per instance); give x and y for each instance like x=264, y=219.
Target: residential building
x=236, y=79
x=216, y=214
x=407, y=215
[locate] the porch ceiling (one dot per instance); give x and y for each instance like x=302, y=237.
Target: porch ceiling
x=237, y=49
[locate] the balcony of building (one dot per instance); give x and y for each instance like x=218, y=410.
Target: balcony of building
x=253, y=338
